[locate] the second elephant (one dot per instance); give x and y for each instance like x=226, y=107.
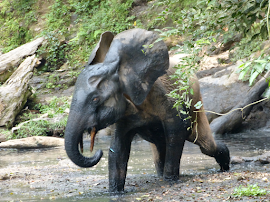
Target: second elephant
x=126, y=83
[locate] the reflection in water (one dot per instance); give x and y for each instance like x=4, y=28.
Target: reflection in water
x=141, y=164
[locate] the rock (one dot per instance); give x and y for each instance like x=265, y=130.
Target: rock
x=67, y=163
x=221, y=91
x=4, y=133
x=15, y=91
x=33, y=142
x=237, y=160
x=11, y=60
x=209, y=62
x=3, y=138
x=263, y=159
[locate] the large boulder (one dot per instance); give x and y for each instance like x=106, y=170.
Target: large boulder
x=221, y=90
x=223, y=93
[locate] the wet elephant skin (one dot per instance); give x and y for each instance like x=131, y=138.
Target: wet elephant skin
x=125, y=84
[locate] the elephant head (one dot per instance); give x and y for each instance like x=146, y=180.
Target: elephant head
x=119, y=68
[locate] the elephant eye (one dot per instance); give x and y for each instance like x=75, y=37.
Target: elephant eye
x=96, y=99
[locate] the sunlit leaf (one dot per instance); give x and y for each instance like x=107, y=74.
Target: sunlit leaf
x=266, y=93
x=198, y=105
x=253, y=76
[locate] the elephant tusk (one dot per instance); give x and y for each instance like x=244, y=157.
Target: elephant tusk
x=81, y=145
x=93, y=134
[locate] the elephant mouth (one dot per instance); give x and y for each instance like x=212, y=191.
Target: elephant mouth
x=93, y=133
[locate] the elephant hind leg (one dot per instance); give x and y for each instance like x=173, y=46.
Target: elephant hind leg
x=158, y=146
x=159, y=153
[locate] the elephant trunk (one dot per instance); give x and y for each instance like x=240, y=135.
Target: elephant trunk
x=73, y=136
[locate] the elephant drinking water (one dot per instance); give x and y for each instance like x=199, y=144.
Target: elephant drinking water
x=125, y=83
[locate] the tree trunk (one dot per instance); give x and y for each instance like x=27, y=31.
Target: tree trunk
x=15, y=91
x=11, y=60
x=231, y=121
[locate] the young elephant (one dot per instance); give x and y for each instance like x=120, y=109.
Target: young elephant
x=122, y=84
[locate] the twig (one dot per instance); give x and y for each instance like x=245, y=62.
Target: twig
x=241, y=109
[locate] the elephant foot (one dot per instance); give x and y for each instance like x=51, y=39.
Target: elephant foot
x=173, y=178
x=116, y=193
x=116, y=188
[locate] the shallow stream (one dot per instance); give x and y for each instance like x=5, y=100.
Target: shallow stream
x=47, y=174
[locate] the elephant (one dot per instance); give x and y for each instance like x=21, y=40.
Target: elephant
x=125, y=84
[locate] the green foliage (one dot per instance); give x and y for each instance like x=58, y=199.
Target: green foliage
x=251, y=69
x=226, y=18
x=53, y=50
x=249, y=190
x=186, y=70
x=55, y=106
x=108, y=15
x=52, y=82
x=64, y=19
x=34, y=127
x=84, y=6
x=247, y=17
x=182, y=92
x=206, y=21
x=15, y=19
x=246, y=47
x=59, y=16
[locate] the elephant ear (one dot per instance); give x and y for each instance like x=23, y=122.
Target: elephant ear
x=101, y=49
x=140, y=59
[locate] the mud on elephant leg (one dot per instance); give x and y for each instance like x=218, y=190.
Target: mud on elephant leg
x=118, y=159
x=174, y=151
x=159, y=152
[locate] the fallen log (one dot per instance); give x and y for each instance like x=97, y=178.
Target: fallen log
x=11, y=60
x=233, y=120
x=15, y=91
x=33, y=142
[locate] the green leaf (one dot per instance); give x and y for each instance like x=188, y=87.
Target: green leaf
x=191, y=91
x=183, y=112
x=198, y=105
x=266, y=93
x=253, y=77
x=244, y=72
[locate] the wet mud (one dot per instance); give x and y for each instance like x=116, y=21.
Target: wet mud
x=48, y=175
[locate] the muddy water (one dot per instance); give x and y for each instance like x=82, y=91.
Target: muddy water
x=47, y=174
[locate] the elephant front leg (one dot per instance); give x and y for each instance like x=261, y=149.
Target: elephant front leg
x=174, y=151
x=118, y=159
